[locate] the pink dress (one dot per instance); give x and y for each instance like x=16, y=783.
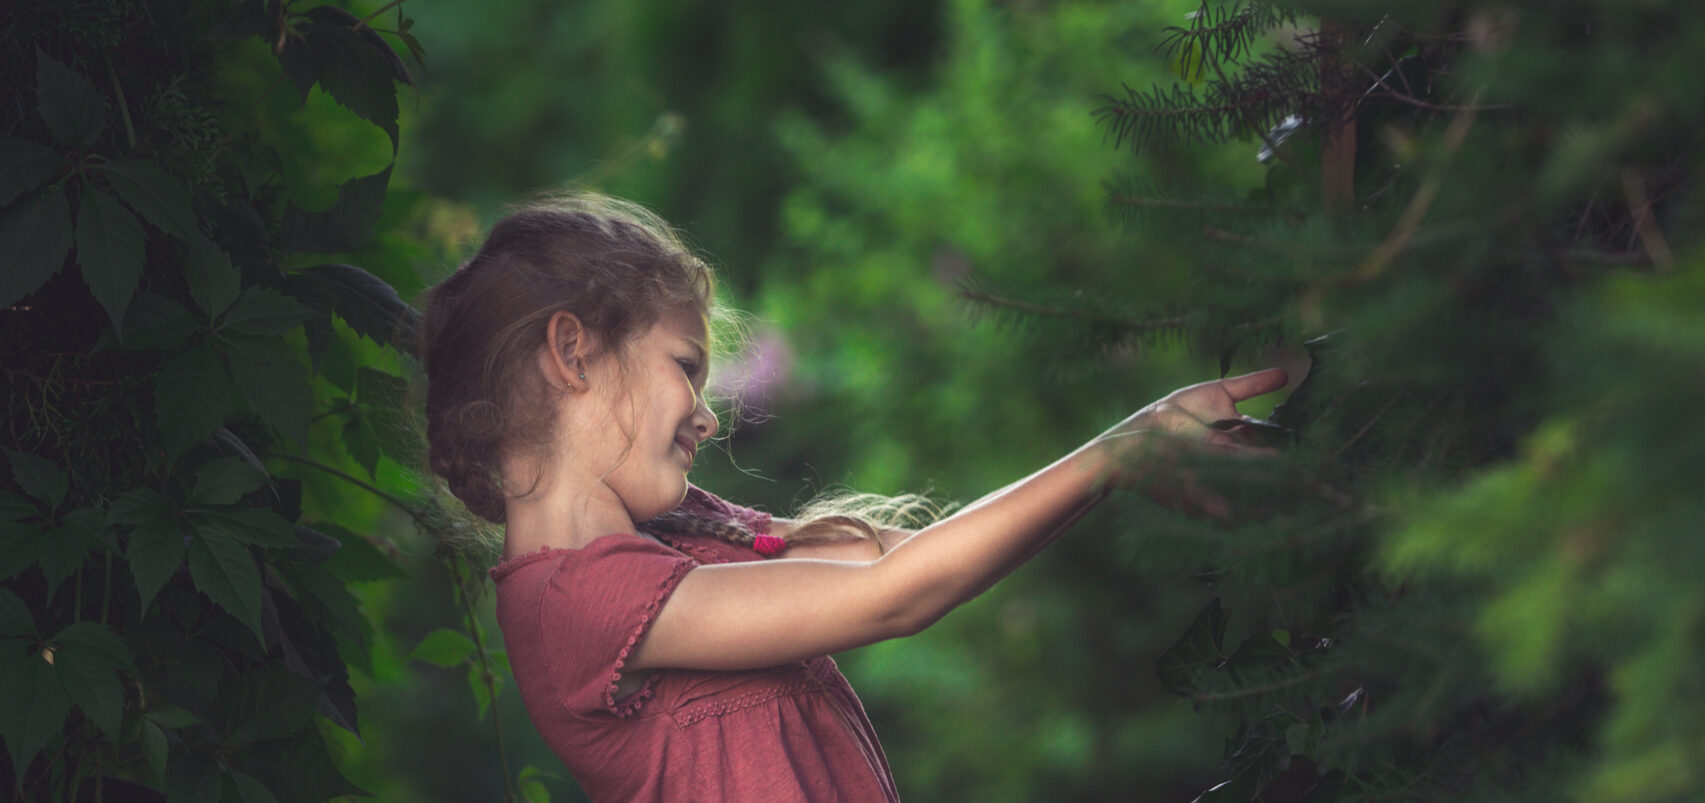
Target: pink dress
x=786, y=733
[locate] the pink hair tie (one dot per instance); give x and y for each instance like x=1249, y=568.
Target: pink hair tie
x=768, y=545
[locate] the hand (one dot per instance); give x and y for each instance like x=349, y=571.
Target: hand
x=1147, y=446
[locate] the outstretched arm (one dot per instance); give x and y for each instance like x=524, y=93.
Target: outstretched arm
x=750, y=615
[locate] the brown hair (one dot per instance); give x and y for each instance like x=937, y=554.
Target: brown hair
x=612, y=264
x=618, y=268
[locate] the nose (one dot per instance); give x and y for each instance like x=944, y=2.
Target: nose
x=704, y=420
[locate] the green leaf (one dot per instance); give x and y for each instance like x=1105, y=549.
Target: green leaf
x=191, y=396
x=35, y=241
x=194, y=778
x=483, y=694
x=63, y=549
x=25, y=166
x=444, y=647
x=225, y=480
x=362, y=442
x=358, y=560
x=18, y=547
x=366, y=302
x=225, y=571
x=87, y=661
x=74, y=111
x=138, y=505
x=154, y=749
x=252, y=790
x=14, y=507
x=532, y=784
x=356, y=74
x=110, y=252
x=259, y=311
x=249, y=525
x=173, y=717
x=300, y=765
x=15, y=617
x=33, y=705
x=155, y=194
x=328, y=600
x=269, y=703
x=155, y=320
x=344, y=227
x=156, y=552
x=275, y=385
x=384, y=400
x=1198, y=649
x=39, y=477
x=213, y=280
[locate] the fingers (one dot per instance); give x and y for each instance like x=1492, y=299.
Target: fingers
x=1254, y=384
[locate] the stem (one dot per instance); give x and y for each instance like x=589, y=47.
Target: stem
x=356, y=481
x=106, y=588
x=382, y=9
x=486, y=675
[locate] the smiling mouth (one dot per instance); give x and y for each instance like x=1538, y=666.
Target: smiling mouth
x=689, y=447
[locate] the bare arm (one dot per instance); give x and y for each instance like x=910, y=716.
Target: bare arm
x=749, y=615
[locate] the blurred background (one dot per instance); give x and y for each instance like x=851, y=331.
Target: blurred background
x=847, y=168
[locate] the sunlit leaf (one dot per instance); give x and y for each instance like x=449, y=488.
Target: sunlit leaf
x=444, y=647
x=74, y=111
x=35, y=241
x=110, y=251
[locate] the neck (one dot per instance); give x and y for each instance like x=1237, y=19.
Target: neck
x=560, y=513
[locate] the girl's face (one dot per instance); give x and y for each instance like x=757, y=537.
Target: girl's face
x=657, y=414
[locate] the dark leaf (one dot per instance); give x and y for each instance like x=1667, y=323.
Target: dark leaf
x=156, y=552
x=194, y=778
x=317, y=547
x=155, y=195
x=356, y=73
x=225, y=480
x=273, y=382
x=153, y=321
x=444, y=647
x=191, y=397
x=62, y=550
x=252, y=790
x=14, y=507
x=213, y=280
x=328, y=600
x=258, y=311
x=110, y=251
x=88, y=661
x=268, y=704
x=154, y=749
x=229, y=442
x=301, y=63
x=1197, y=650
x=384, y=400
x=35, y=241
x=1258, y=652
x=299, y=769
x=414, y=48
x=39, y=477
x=344, y=227
x=366, y=302
x=18, y=547
x=138, y=505
x=15, y=618
x=225, y=571
x=249, y=525
x=33, y=705
x=25, y=166
x=74, y=111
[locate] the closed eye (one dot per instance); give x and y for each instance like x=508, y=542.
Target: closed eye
x=690, y=366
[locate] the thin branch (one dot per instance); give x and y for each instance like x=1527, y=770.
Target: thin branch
x=370, y=17
x=1422, y=203
x=1055, y=312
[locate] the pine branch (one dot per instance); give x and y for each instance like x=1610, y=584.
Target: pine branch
x=1225, y=32
x=1118, y=324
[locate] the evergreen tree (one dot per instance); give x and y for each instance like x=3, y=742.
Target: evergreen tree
x=1469, y=575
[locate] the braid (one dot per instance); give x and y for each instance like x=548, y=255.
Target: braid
x=680, y=522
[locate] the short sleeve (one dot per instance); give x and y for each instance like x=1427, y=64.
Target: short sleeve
x=595, y=608
x=704, y=503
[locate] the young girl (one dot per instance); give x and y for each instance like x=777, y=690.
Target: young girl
x=669, y=645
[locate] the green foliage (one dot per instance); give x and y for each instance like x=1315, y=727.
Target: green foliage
x=1473, y=558
x=169, y=616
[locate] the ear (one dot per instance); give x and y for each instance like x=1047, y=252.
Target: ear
x=563, y=357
